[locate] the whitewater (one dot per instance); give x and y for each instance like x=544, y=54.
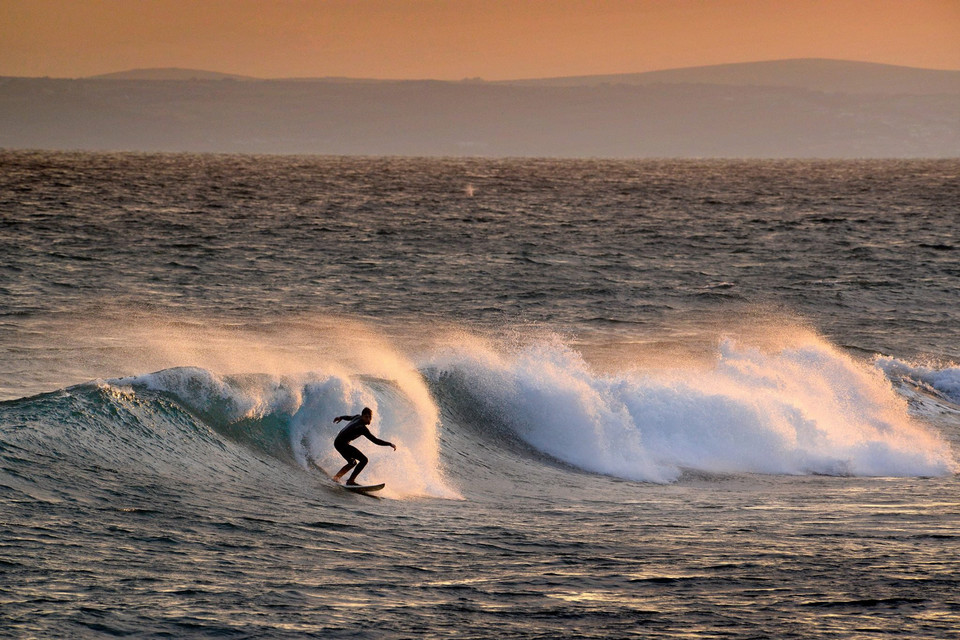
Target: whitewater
x=630, y=399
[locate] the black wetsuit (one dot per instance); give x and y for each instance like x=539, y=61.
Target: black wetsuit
x=354, y=429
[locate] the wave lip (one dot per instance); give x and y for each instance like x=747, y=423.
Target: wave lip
x=804, y=408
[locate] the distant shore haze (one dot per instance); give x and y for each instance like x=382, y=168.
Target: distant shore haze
x=808, y=108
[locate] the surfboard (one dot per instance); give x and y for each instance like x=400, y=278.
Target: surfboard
x=355, y=488
x=363, y=488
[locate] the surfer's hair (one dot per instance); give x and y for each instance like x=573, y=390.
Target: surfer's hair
x=366, y=412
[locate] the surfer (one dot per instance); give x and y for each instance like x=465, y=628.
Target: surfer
x=355, y=428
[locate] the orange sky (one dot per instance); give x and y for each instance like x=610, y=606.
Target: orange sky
x=454, y=39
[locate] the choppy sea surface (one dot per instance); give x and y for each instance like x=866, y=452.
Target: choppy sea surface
x=630, y=399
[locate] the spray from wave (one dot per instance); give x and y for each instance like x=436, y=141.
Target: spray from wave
x=801, y=408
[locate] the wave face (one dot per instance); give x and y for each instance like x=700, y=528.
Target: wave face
x=291, y=419
x=801, y=409
x=191, y=425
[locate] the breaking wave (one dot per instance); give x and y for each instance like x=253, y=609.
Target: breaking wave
x=802, y=407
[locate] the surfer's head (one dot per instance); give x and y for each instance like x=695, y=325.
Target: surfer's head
x=367, y=414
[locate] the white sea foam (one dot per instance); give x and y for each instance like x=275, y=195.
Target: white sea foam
x=802, y=408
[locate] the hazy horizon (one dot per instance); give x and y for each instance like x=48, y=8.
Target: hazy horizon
x=566, y=78
x=799, y=109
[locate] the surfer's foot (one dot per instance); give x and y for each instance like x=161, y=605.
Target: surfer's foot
x=352, y=483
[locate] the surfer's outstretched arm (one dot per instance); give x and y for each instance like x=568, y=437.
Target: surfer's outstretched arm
x=375, y=440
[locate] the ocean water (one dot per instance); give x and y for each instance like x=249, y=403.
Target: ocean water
x=630, y=399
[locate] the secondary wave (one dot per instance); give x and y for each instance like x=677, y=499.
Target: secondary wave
x=804, y=408
x=941, y=380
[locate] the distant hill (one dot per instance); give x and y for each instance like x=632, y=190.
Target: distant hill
x=785, y=109
x=835, y=76
x=168, y=73
x=815, y=74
